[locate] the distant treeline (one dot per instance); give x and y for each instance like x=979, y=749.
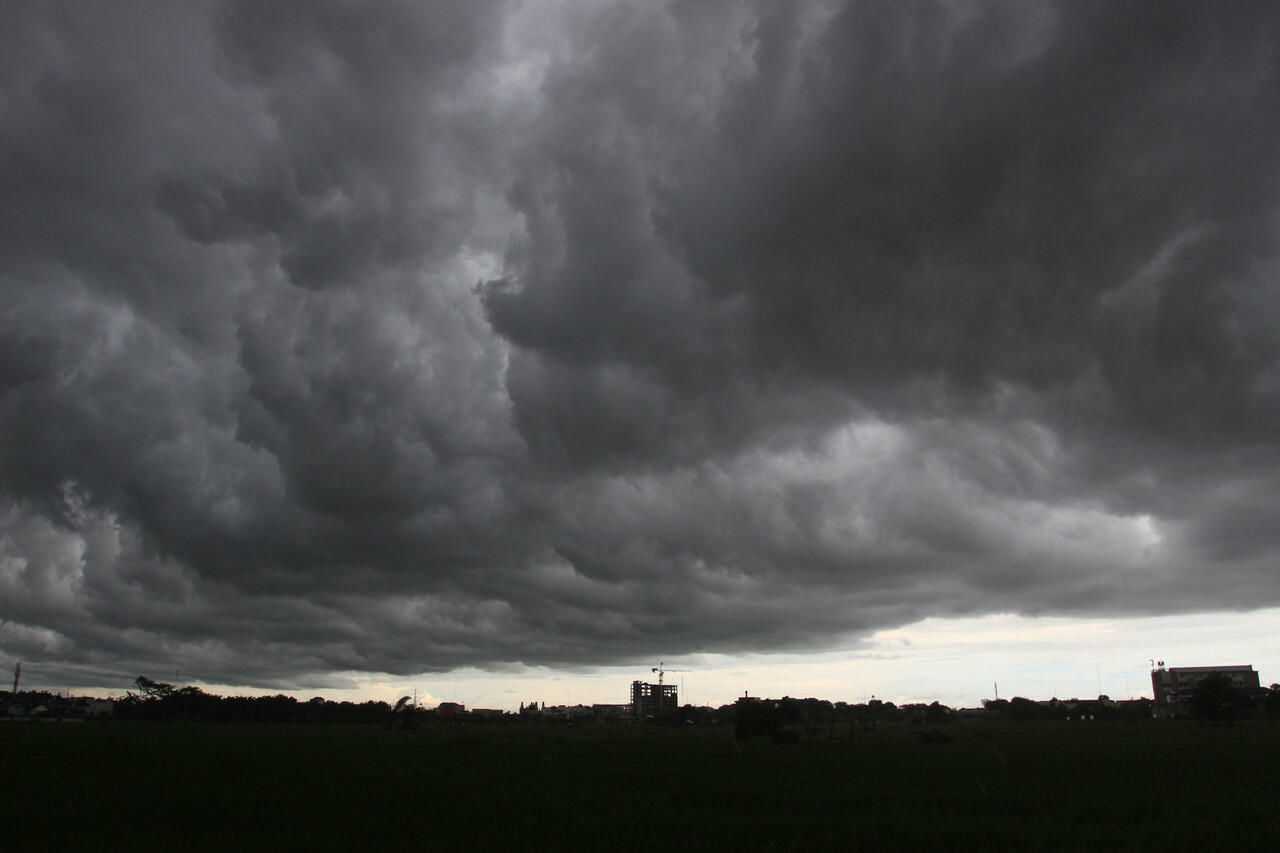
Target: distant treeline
x=1102, y=708
x=191, y=703
x=157, y=701
x=1214, y=699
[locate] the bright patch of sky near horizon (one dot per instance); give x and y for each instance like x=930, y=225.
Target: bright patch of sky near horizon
x=958, y=662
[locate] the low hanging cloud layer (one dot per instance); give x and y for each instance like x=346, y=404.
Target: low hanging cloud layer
x=406, y=336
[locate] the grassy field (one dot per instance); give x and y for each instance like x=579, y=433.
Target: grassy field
x=1083, y=786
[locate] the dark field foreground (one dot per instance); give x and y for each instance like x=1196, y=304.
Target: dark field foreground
x=1082, y=786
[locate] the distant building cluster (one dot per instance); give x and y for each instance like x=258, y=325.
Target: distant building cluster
x=648, y=702
x=600, y=712
x=54, y=707
x=1174, y=687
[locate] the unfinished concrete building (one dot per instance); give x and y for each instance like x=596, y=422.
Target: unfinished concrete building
x=650, y=701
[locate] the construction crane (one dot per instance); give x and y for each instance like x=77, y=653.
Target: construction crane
x=662, y=671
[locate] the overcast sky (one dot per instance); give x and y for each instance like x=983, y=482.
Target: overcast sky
x=366, y=341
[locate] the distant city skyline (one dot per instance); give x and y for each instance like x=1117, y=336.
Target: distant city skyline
x=955, y=662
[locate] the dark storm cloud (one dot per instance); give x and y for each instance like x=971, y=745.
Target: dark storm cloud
x=794, y=320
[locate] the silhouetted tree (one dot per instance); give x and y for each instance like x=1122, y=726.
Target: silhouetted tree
x=775, y=719
x=402, y=715
x=149, y=689
x=1024, y=709
x=1139, y=709
x=937, y=713
x=1214, y=698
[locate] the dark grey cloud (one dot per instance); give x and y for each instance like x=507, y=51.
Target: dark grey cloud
x=406, y=336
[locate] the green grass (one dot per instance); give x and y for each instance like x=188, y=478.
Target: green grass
x=1166, y=786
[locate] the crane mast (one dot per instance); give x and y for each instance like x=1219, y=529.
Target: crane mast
x=662, y=671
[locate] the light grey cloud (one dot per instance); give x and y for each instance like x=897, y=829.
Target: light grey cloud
x=408, y=336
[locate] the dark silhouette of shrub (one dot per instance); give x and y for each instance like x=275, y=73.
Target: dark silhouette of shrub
x=1216, y=699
